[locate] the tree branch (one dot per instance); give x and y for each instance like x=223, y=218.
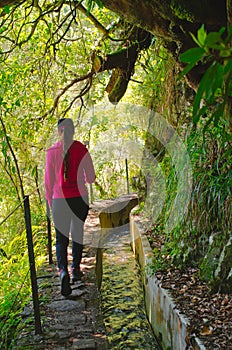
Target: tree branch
x=86, y=88
x=96, y=23
x=122, y=63
x=12, y=180
x=14, y=157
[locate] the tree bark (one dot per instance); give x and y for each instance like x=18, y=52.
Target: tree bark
x=4, y=3
x=122, y=63
x=229, y=12
x=165, y=18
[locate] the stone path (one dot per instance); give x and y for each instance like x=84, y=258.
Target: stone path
x=68, y=323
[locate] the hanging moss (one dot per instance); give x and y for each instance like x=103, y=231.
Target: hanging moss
x=117, y=85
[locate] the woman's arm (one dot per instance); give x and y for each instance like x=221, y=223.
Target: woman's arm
x=49, y=178
x=88, y=168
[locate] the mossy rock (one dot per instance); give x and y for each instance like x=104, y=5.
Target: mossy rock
x=223, y=273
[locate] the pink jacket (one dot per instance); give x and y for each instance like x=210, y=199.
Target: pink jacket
x=80, y=172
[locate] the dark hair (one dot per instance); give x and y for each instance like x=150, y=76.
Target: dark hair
x=66, y=127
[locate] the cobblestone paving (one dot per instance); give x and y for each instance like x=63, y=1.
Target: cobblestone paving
x=67, y=323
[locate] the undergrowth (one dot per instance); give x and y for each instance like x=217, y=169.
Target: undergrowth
x=15, y=290
x=198, y=240
x=203, y=237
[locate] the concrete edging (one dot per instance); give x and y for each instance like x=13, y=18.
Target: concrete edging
x=117, y=211
x=169, y=326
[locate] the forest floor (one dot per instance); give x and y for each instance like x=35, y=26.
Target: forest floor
x=209, y=314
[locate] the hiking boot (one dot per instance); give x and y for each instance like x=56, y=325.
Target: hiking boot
x=77, y=274
x=66, y=290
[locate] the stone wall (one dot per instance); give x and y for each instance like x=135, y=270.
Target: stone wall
x=169, y=326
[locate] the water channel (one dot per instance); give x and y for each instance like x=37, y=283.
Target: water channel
x=123, y=306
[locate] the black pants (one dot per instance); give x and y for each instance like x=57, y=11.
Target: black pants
x=69, y=215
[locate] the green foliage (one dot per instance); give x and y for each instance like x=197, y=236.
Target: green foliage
x=210, y=212
x=39, y=58
x=91, y=4
x=201, y=236
x=199, y=239
x=41, y=54
x=215, y=89
x=15, y=289
x=112, y=135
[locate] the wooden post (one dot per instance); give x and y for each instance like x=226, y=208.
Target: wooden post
x=127, y=177
x=38, y=327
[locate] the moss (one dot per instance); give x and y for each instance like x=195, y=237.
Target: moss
x=223, y=276
x=183, y=10
x=117, y=86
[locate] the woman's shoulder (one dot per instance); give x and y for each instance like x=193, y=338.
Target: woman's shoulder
x=55, y=147
x=79, y=145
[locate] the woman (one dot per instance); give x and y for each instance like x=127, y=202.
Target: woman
x=68, y=168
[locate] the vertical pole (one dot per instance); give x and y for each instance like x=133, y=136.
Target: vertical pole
x=127, y=177
x=38, y=327
x=49, y=233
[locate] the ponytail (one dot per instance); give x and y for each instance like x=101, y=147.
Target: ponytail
x=66, y=127
x=67, y=140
